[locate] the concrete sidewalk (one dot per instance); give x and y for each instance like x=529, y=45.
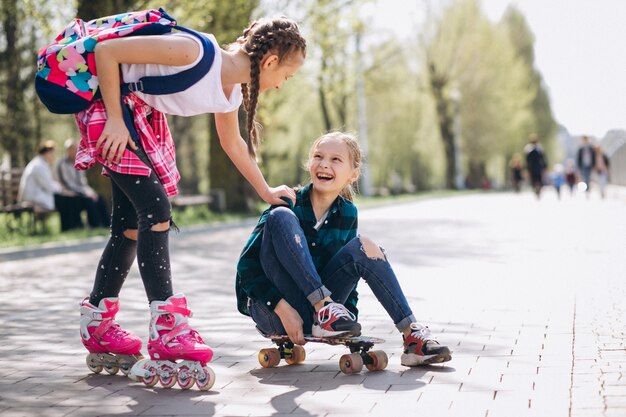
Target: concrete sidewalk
x=528, y=294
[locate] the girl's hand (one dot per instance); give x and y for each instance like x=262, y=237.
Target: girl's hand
x=114, y=139
x=273, y=195
x=291, y=320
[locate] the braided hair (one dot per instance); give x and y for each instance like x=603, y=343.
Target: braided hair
x=279, y=36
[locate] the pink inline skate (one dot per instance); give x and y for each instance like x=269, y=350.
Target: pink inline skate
x=110, y=347
x=172, y=340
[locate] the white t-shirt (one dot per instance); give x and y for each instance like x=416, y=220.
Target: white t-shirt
x=205, y=96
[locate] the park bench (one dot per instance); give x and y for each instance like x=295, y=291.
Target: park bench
x=215, y=201
x=15, y=210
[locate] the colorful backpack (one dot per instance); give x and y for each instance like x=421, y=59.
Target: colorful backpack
x=67, y=81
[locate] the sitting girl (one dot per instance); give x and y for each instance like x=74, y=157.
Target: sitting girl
x=298, y=271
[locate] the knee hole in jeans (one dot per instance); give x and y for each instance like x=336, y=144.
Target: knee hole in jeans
x=131, y=234
x=371, y=249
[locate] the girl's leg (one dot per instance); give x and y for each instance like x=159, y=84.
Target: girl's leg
x=287, y=262
x=361, y=257
x=153, y=214
x=100, y=333
x=120, y=251
x=284, y=249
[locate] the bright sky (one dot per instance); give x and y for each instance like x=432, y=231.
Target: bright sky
x=578, y=50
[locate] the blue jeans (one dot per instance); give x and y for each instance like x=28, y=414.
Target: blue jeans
x=287, y=262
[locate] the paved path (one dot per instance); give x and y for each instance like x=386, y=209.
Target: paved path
x=529, y=295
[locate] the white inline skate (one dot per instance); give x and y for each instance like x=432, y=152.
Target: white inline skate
x=177, y=352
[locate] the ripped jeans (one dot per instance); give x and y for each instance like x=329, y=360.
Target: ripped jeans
x=138, y=203
x=287, y=262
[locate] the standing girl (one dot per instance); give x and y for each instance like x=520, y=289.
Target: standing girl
x=143, y=175
x=298, y=271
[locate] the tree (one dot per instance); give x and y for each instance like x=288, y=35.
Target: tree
x=16, y=128
x=331, y=31
x=471, y=55
x=515, y=25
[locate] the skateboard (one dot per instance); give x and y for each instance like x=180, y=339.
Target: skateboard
x=351, y=363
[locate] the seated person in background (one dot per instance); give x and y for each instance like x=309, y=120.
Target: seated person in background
x=79, y=194
x=37, y=185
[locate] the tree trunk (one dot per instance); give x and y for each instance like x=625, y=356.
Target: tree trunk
x=225, y=176
x=182, y=128
x=445, y=120
x=328, y=125
x=16, y=131
x=90, y=9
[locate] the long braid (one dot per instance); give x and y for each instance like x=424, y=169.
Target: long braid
x=280, y=36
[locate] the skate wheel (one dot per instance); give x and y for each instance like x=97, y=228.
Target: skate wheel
x=127, y=364
x=153, y=379
x=298, y=354
x=185, y=378
x=269, y=358
x=379, y=359
x=111, y=370
x=167, y=377
x=92, y=364
x=207, y=382
x=351, y=364
x=167, y=382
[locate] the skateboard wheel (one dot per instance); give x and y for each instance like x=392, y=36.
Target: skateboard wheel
x=379, y=360
x=351, y=364
x=298, y=354
x=269, y=358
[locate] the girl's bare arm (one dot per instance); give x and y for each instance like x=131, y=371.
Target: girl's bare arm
x=227, y=125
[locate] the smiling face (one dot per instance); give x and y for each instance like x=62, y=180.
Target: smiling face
x=331, y=166
x=275, y=72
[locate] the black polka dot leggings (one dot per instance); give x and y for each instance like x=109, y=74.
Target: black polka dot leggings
x=138, y=204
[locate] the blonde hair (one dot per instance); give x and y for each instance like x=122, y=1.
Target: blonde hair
x=354, y=152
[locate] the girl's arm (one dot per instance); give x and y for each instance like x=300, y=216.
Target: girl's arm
x=227, y=125
x=166, y=50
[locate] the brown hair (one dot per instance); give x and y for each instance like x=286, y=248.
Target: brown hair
x=280, y=36
x=354, y=151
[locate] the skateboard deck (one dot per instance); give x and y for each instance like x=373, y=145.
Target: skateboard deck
x=353, y=362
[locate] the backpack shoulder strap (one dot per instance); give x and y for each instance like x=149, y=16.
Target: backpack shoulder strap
x=169, y=84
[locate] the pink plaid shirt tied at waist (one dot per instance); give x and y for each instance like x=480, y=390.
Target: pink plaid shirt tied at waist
x=155, y=137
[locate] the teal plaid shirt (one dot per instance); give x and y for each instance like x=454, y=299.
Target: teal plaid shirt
x=338, y=229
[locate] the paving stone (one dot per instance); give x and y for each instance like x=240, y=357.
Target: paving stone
x=526, y=324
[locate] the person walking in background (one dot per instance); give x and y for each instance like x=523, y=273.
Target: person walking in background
x=81, y=195
x=558, y=179
x=37, y=185
x=570, y=175
x=517, y=172
x=586, y=160
x=601, y=168
x=535, y=163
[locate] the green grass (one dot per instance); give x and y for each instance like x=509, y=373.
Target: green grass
x=19, y=233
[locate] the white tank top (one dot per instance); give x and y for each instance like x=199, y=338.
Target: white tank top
x=205, y=96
